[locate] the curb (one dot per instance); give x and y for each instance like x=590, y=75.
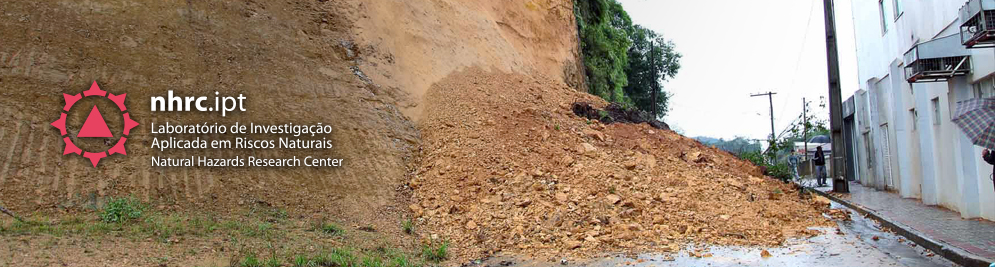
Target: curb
x=952, y=253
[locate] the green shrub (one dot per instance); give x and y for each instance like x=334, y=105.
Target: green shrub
x=780, y=171
x=118, y=210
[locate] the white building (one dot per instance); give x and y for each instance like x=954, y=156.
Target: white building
x=916, y=60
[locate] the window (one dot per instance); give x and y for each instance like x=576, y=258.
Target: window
x=936, y=111
x=898, y=9
x=884, y=21
x=985, y=88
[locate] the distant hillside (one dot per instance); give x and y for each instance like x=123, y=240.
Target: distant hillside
x=736, y=146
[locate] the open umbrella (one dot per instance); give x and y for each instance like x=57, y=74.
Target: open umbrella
x=976, y=117
x=820, y=139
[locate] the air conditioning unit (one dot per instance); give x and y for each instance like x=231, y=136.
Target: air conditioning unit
x=977, y=29
x=937, y=60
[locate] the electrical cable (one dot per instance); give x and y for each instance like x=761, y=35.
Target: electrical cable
x=801, y=52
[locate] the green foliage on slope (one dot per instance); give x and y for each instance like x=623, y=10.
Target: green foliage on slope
x=624, y=62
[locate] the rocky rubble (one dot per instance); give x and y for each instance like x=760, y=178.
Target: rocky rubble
x=507, y=167
x=613, y=113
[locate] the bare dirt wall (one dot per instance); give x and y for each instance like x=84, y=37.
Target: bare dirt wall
x=290, y=58
x=410, y=45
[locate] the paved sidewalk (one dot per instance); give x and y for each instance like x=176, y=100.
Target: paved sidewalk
x=972, y=235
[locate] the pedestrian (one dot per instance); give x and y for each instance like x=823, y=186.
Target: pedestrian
x=820, y=166
x=989, y=157
x=793, y=162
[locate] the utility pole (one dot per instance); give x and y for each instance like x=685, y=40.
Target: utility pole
x=770, y=97
x=656, y=82
x=805, y=134
x=840, y=184
x=805, y=126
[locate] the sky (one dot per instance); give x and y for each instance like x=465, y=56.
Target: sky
x=732, y=49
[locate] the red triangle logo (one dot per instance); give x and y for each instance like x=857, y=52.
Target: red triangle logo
x=95, y=126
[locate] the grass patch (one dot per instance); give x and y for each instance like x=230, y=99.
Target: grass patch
x=339, y=257
x=249, y=228
x=119, y=210
x=268, y=214
x=304, y=261
x=164, y=227
x=251, y=260
x=408, y=226
x=157, y=226
x=436, y=251
x=401, y=261
x=369, y=261
x=69, y=226
x=239, y=230
x=329, y=228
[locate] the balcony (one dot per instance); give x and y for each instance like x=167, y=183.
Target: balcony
x=978, y=28
x=937, y=60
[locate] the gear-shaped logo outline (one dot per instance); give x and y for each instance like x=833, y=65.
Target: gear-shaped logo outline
x=94, y=157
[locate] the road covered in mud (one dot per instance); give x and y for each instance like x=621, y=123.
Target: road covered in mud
x=858, y=241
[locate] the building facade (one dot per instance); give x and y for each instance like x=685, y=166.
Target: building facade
x=916, y=60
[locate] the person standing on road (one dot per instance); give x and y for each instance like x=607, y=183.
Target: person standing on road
x=793, y=162
x=820, y=166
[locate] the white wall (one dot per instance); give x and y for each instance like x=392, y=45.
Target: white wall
x=968, y=169
x=903, y=182
x=948, y=181
x=928, y=157
x=875, y=88
x=934, y=162
x=912, y=183
x=983, y=62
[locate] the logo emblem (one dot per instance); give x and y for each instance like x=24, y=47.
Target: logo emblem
x=95, y=126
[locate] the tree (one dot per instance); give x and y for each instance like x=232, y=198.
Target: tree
x=798, y=131
x=624, y=63
x=603, y=27
x=806, y=127
x=737, y=146
x=652, y=60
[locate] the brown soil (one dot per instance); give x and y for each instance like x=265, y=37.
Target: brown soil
x=504, y=166
x=410, y=45
x=507, y=167
x=290, y=58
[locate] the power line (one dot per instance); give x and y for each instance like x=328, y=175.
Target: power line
x=801, y=52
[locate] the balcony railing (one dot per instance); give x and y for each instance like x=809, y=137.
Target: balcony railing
x=978, y=28
x=937, y=60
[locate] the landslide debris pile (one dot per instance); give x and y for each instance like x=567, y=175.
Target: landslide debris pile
x=617, y=113
x=507, y=167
